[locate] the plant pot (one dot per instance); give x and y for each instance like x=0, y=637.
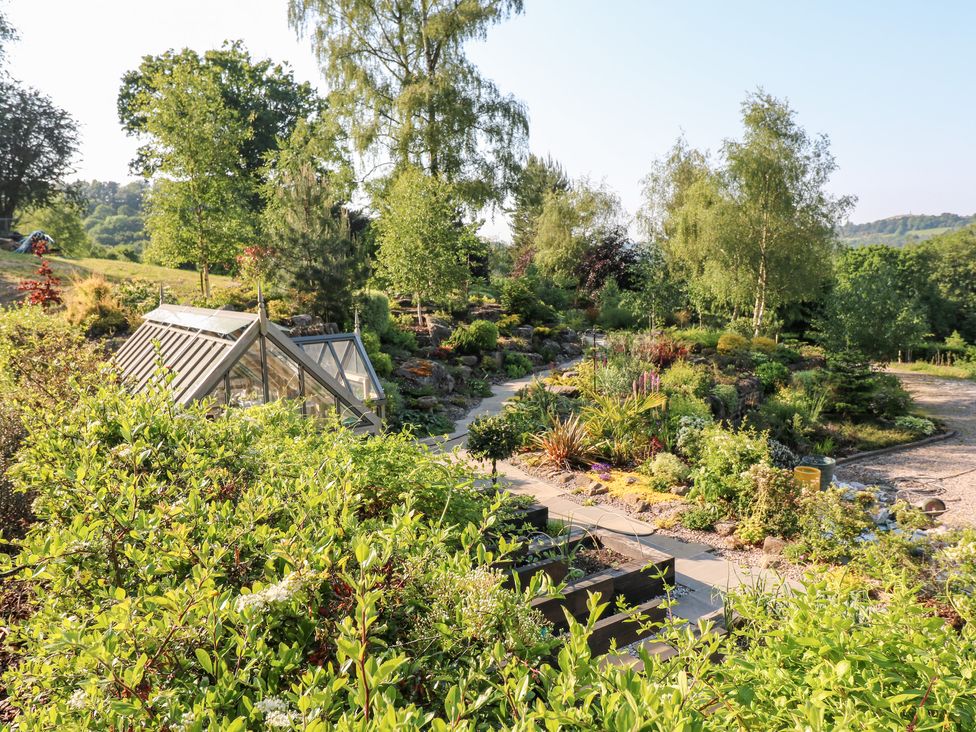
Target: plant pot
x=824, y=464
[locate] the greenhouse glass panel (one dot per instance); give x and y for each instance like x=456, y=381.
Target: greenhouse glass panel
x=246, y=381
x=283, y=379
x=319, y=401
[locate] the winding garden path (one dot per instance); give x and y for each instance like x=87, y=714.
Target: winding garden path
x=946, y=469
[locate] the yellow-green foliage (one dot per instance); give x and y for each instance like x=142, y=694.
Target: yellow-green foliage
x=91, y=302
x=732, y=343
x=624, y=483
x=763, y=344
x=686, y=378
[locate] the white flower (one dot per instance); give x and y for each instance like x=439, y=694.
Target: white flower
x=78, y=699
x=278, y=592
x=277, y=712
x=279, y=720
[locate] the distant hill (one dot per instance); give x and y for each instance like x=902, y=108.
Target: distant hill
x=897, y=231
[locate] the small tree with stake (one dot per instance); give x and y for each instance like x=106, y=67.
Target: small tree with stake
x=492, y=438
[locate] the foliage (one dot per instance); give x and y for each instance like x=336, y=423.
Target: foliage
x=688, y=439
x=114, y=214
x=537, y=177
x=721, y=463
x=535, y=410
x=909, y=517
x=730, y=343
x=702, y=518
x=686, y=378
x=781, y=456
x=59, y=218
x=37, y=143
x=621, y=428
x=479, y=336
x=492, y=438
x=567, y=444
x=519, y=297
x=92, y=304
x=728, y=395
x=665, y=470
x=856, y=390
x=199, y=208
x=46, y=290
x=763, y=344
x=382, y=362
x=316, y=241
x=772, y=374
x=517, y=365
x=421, y=237
x=374, y=311
x=829, y=526
x=406, y=91
x=916, y=425
x=262, y=95
x=773, y=506
x=328, y=559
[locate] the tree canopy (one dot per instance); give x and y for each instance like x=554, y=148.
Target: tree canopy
x=407, y=93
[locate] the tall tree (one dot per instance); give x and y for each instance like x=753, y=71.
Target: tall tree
x=60, y=218
x=264, y=96
x=407, y=92
x=314, y=247
x=37, y=143
x=538, y=177
x=760, y=232
x=199, y=207
x=421, y=237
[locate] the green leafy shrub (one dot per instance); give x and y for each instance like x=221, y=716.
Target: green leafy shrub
x=772, y=374
x=773, y=505
x=681, y=406
x=909, y=517
x=492, y=438
x=686, y=378
x=517, y=365
x=916, y=425
x=732, y=343
x=665, y=470
x=567, y=444
x=374, y=311
x=480, y=336
x=508, y=323
x=382, y=362
x=763, y=344
x=702, y=518
x=699, y=337
x=722, y=462
x=620, y=427
x=829, y=526
x=728, y=395
x=688, y=437
x=519, y=297
x=400, y=340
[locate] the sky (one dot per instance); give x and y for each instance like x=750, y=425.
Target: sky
x=609, y=84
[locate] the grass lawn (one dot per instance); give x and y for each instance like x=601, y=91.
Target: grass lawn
x=184, y=284
x=946, y=372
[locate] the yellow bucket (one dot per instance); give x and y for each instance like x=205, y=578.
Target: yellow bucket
x=807, y=477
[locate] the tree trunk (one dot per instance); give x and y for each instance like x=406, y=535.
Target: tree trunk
x=205, y=275
x=760, y=306
x=494, y=472
x=420, y=312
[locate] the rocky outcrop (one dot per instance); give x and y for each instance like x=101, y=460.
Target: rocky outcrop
x=421, y=374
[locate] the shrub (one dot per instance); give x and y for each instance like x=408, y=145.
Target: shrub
x=773, y=505
x=665, y=470
x=404, y=341
x=686, y=378
x=763, y=344
x=722, y=461
x=781, y=456
x=688, y=438
x=492, y=438
x=908, y=517
x=481, y=335
x=829, y=526
x=728, y=395
x=699, y=337
x=508, y=323
x=681, y=406
x=382, y=362
x=91, y=303
x=566, y=445
x=916, y=425
x=659, y=349
x=518, y=296
x=702, y=518
x=621, y=428
x=139, y=296
x=517, y=365
x=731, y=343
x=374, y=311
x=772, y=374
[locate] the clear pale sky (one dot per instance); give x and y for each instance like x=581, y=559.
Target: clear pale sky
x=609, y=84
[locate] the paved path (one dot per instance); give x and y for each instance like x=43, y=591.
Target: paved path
x=946, y=469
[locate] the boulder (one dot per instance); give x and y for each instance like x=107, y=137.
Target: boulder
x=535, y=358
x=572, y=349
x=301, y=320
x=596, y=489
x=750, y=392
x=636, y=503
x=773, y=545
x=439, y=332
x=463, y=373
x=569, y=336
x=564, y=478
x=680, y=490
x=426, y=403
x=470, y=361
x=524, y=331
x=487, y=312
x=566, y=390
x=726, y=528
x=420, y=374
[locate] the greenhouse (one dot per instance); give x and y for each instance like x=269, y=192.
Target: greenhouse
x=243, y=359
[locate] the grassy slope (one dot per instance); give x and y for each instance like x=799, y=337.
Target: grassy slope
x=16, y=267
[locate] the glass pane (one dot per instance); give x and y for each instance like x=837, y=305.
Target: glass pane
x=318, y=400
x=246, y=385
x=282, y=374
x=219, y=393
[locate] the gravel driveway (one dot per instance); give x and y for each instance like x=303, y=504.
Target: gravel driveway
x=946, y=469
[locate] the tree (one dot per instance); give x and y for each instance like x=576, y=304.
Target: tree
x=37, y=143
x=198, y=209
x=759, y=232
x=307, y=221
x=264, y=96
x=538, y=177
x=951, y=268
x=573, y=223
x=874, y=307
x=60, y=219
x=492, y=438
x=657, y=291
x=405, y=89
x=421, y=237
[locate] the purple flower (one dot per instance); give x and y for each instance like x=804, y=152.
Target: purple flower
x=600, y=468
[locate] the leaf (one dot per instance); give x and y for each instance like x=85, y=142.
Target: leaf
x=204, y=658
x=842, y=668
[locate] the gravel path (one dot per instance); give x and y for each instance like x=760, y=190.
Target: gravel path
x=946, y=469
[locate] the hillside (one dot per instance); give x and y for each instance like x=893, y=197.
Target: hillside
x=897, y=231
x=17, y=267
